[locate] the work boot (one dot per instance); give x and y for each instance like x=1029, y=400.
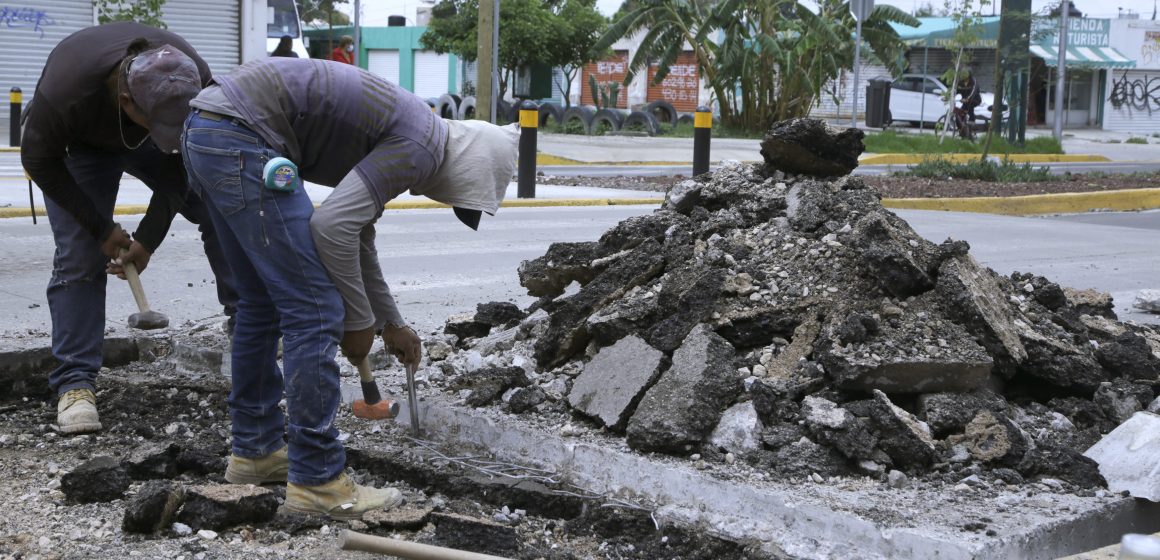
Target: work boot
x=262, y=470
x=340, y=498
x=76, y=412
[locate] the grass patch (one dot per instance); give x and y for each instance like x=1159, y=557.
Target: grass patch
x=686, y=130
x=891, y=142
x=1136, y=140
x=989, y=171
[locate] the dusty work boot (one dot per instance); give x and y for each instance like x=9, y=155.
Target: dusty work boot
x=340, y=498
x=76, y=412
x=262, y=470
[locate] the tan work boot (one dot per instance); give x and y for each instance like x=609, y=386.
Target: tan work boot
x=340, y=498
x=262, y=470
x=76, y=412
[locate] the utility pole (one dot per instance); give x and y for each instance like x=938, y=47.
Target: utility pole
x=1061, y=71
x=486, y=89
x=357, y=32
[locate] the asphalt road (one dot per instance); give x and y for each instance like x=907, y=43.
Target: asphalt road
x=669, y=170
x=437, y=267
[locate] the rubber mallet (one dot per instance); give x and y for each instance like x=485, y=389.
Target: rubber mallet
x=372, y=406
x=145, y=318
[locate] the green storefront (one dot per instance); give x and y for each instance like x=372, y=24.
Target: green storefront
x=395, y=54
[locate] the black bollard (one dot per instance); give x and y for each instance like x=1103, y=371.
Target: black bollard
x=15, y=99
x=529, y=120
x=702, y=130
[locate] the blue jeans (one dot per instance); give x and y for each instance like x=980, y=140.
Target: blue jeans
x=284, y=290
x=78, y=267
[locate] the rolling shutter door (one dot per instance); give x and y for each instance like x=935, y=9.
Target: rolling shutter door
x=212, y=26
x=431, y=73
x=680, y=87
x=384, y=63
x=30, y=32
x=612, y=69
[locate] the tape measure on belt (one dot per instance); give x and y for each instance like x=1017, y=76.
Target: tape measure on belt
x=280, y=174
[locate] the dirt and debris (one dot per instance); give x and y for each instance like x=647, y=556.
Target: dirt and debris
x=861, y=348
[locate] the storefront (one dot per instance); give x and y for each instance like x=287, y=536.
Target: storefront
x=1131, y=96
x=1089, y=60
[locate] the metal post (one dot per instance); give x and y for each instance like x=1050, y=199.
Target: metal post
x=1064, y=8
x=922, y=103
x=702, y=132
x=495, y=68
x=357, y=34
x=15, y=100
x=529, y=120
x=857, y=63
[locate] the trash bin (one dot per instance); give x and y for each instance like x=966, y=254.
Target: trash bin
x=878, y=104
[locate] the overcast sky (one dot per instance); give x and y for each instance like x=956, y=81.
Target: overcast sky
x=375, y=12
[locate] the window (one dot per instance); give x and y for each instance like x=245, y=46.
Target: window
x=906, y=84
x=281, y=19
x=931, y=86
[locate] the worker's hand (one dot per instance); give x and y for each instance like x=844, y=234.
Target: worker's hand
x=137, y=254
x=404, y=344
x=117, y=240
x=357, y=344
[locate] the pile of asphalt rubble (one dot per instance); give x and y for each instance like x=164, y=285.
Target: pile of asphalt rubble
x=777, y=314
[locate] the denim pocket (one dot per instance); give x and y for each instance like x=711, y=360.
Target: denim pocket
x=219, y=171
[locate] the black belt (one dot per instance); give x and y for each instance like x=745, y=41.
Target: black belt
x=212, y=115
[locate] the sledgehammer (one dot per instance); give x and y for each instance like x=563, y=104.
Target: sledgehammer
x=372, y=406
x=145, y=319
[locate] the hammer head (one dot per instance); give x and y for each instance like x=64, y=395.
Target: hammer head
x=148, y=320
x=382, y=410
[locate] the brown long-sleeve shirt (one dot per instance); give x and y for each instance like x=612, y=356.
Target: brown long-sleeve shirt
x=73, y=107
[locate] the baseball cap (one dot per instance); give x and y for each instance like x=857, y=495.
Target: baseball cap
x=162, y=82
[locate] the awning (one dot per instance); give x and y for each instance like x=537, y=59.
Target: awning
x=1084, y=57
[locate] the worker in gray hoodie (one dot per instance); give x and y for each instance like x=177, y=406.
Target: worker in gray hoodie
x=248, y=143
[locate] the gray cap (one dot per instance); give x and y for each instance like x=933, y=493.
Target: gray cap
x=162, y=82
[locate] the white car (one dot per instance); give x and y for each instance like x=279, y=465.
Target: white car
x=918, y=97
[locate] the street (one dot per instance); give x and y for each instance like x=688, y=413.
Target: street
x=437, y=267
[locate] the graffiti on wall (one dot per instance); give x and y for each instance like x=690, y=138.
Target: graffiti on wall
x=24, y=18
x=1141, y=93
x=1150, y=48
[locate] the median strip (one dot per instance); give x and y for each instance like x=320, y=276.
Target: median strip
x=911, y=159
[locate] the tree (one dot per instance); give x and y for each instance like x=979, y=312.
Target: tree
x=315, y=13
x=147, y=12
x=765, y=60
x=556, y=33
x=926, y=9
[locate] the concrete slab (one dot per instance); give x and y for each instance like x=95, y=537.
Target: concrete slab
x=615, y=379
x=1129, y=456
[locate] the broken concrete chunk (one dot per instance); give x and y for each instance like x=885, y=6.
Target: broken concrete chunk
x=948, y=413
x=499, y=313
x=487, y=384
x=1061, y=462
x=221, y=506
x=1120, y=399
x=838, y=428
x=561, y=265
x=1130, y=356
x=739, y=430
x=1059, y=362
x=992, y=438
x=974, y=298
x=614, y=381
x=100, y=479
x=1091, y=302
x=1147, y=300
x=524, y=399
x=758, y=326
x=811, y=147
x=1128, y=456
x=906, y=439
x=151, y=461
x=198, y=461
x=465, y=326
x=153, y=508
x=405, y=518
x=692, y=295
x=496, y=343
x=889, y=257
x=687, y=402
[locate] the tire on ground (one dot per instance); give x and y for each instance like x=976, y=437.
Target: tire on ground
x=466, y=110
x=448, y=106
x=640, y=120
x=503, y=111
x=663, y=111
x=581, y=115
x=605, y=120
x=550, y=113
x=685, y=118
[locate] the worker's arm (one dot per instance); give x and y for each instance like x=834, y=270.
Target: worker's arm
x=46, y=139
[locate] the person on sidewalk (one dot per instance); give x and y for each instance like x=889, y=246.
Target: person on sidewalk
x=371, y=140
x=344, y=52
x=969, y=90
x=83, y=132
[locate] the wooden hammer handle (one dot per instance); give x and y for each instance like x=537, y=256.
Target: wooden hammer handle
x=134, y=282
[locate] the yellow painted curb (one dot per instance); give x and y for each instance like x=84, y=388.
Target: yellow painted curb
x=9, y=149
x=549, y=159
x=1062, y=203
x=130, y=209
x=911, y=159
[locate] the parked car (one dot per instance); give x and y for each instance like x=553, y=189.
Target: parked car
x=918, y=97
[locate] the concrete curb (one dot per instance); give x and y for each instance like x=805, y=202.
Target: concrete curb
x=1063, y=203
x=911, y=159
x=130, y=209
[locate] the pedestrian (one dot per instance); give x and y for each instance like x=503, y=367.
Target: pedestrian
x=371, y=140
x=285, y=47
x=344, y=52
x=85, y=129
